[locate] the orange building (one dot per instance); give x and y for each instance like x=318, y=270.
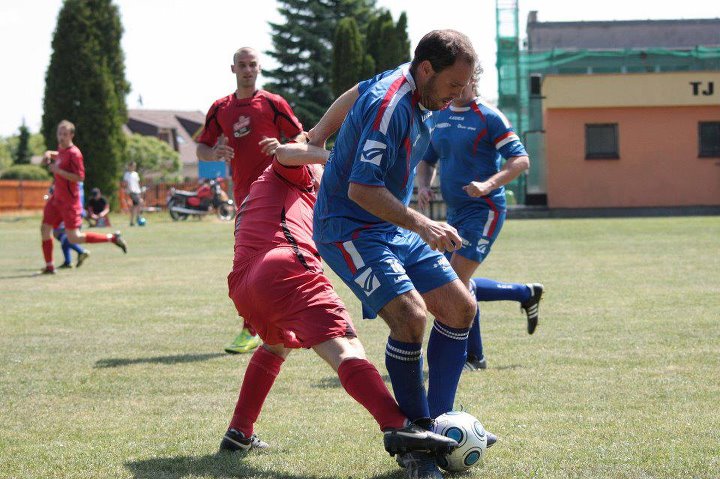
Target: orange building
x=632, y=140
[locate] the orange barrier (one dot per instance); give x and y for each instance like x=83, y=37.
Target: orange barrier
x=23, y=194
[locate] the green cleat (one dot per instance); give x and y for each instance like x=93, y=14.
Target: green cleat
x=243, y=343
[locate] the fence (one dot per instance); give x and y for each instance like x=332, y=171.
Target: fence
x=23, y=194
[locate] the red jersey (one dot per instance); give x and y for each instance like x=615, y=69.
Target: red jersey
x=277, y=212
x=71, y=160
x=244, y=123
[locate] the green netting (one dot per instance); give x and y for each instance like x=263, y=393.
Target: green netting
x=515, y=67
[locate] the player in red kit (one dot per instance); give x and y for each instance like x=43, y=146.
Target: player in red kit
x=244, y=128
x=278, y=286
x=66, y=164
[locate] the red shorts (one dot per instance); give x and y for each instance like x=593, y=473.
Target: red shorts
x=287, y=303
x=56, y=213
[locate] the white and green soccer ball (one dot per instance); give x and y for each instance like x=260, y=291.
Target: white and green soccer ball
x=469, y=434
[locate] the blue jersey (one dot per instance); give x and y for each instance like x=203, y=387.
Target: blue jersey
x=381, y=141
x=470, y=142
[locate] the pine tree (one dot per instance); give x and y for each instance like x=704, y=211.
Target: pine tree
x=348, y=56
x=85, y=83
x=22, y=153
x=303, y=45
x=387, y=42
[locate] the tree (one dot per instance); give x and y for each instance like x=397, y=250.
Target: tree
x=348, y=56
x=154, y=157
x=85, y=83
x=302, y=46
x=22, y=153
x=387, y=42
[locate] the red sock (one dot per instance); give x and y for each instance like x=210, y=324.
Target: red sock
x=259, y=377
x=47, y=247
x=363, y=382
x=98, y=238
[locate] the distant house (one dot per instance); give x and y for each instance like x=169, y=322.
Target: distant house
x=176, y=128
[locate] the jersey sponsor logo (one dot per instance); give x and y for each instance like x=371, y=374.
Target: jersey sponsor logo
x=368, y=281
x=372, y=152
x=442, y=125
x=241, y=127
x=426, y=115
x=461, y=118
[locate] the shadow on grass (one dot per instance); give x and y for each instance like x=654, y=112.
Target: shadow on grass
x=509, y=366
x=222, y=466
x=177, y=359
x=22, y=273
x=333, y=382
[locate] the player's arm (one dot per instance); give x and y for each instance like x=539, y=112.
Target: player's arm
x=513, y=168
x=298, y=154
x=221, y=151
x=381, y=203
x=333, y=118
x=68, y=175
x=105, y=210
x=425, y=177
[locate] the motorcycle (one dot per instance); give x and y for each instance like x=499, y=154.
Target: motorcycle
x=181, y=204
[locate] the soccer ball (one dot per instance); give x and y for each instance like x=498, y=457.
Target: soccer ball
x=469, y=434
x=141, y=221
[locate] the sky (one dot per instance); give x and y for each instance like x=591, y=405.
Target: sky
x=178, y=52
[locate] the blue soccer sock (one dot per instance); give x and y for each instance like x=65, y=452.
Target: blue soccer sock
x=67, y=246
x=404, y=363
x=446, y=358
x=474, y=345
x=491, y=290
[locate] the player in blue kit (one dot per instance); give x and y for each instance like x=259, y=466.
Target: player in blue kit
x=390, y=255
x=470, y=139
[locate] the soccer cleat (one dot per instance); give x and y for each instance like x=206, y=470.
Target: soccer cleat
x=419, y=465
x=234, y=441
x=48, y=270
x=243, y=343
x=82, y=257
x=473, y=363
x=65, y=266
x=414, y=438
x=491, y=438
x=120, y=242
x=531, y=306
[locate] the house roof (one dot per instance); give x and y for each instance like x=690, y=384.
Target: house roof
x=606, y=35
x=184, y=123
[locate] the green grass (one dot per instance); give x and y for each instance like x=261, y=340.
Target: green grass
x=116, y=370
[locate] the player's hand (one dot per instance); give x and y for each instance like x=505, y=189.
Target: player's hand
x=53, y=167
x=477, y=189
x=268, y=145
x=314, y=139
x=222, y=151
x=440, y=236
x=425, y=194
x=48, y=156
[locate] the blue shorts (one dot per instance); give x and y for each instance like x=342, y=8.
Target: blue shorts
x=479, y=233
x=381, y=266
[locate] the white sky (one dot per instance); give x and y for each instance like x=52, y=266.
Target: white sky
x=178, y=52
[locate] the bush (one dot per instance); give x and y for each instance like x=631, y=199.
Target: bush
x=25, y=172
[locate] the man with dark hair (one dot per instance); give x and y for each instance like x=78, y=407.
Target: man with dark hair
x=98, y=209
x=244, y=128
x=390, y=255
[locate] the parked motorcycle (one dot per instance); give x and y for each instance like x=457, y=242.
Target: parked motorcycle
x=210, y=195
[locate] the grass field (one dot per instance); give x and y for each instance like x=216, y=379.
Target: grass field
x=116, y=370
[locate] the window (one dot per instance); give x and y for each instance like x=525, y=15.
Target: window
x=601, y=141
x=709, y=139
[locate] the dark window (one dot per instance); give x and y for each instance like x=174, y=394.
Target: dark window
x=601, y=141
x=710, y=139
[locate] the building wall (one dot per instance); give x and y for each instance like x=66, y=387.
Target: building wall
x=658, y=144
